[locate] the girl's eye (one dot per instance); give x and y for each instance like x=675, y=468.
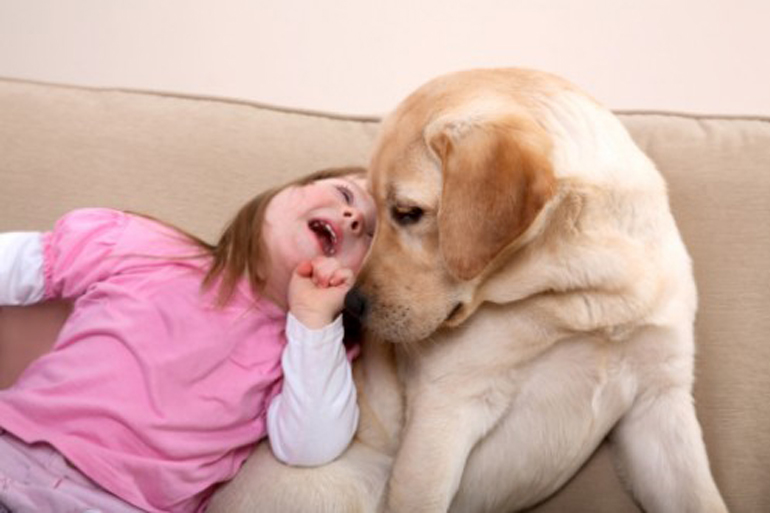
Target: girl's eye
x=346, y=193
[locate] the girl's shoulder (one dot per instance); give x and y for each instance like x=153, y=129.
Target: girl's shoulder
x=87, y=219
x=127, y=232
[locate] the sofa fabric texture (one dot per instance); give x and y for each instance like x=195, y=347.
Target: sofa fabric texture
x=192, y=161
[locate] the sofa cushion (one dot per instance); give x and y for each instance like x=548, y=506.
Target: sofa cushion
x=188, y=160
x=192, y=161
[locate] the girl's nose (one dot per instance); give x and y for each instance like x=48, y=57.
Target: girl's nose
x=354, y=221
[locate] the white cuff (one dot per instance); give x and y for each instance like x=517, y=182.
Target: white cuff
x=298, y=333
x=22, y=281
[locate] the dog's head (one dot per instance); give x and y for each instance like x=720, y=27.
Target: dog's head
x=460, y=173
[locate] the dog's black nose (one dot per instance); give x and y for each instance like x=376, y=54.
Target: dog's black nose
x=355, y=303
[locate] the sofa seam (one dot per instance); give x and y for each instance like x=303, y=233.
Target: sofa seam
x=693, y=116
x=343, y=117
x=199, y=98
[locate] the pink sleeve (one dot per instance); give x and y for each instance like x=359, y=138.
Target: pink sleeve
x=79, y=251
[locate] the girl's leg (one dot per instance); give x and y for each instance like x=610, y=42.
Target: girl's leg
x=35, y=478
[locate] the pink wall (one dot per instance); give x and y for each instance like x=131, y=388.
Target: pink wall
x=357, y=56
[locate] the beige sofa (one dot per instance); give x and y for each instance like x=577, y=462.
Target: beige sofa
x=193, y=160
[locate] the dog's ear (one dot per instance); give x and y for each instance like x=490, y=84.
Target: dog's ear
x=497, y=176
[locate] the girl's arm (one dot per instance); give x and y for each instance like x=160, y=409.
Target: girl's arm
x=22, y=281
x=314, y=418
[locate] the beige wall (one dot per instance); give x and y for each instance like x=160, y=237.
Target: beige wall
x=362, y=56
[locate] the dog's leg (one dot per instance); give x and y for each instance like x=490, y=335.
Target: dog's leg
x=660, y=451
x=428, y=467
x=440, y=431
x=353, y=483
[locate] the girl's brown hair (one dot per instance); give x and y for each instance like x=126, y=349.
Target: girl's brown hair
x=240, y=250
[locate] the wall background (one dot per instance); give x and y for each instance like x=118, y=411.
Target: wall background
x=363, y=56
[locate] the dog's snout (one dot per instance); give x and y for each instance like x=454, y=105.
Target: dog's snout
x=355, y=303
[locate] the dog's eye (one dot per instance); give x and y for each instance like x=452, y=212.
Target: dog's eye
x=406, y=215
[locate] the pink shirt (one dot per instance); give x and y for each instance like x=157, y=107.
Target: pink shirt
x=165, y=384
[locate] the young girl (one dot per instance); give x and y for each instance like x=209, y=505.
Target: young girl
x=178, y=355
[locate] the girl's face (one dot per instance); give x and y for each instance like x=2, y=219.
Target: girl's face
x=334, y=217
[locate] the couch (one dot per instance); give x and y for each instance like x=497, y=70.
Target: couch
x=193, y=160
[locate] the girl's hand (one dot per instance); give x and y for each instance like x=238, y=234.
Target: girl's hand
x=317, y=291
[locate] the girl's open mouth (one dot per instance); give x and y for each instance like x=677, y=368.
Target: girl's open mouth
x=326, y=235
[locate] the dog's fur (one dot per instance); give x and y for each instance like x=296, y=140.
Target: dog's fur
x=535, y=296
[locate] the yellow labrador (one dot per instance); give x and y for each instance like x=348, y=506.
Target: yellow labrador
x=526, y=295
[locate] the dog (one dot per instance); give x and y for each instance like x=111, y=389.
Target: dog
x=527, y=295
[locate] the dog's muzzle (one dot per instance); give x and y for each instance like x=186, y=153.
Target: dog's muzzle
x=355, y=303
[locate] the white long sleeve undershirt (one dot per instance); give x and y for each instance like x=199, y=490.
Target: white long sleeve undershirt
x=310, y=422
x=22, y=280
x=315, y=416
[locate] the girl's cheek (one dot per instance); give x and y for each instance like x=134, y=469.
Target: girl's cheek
x=361, y=256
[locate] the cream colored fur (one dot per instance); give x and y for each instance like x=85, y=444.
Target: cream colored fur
x=550, y=307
